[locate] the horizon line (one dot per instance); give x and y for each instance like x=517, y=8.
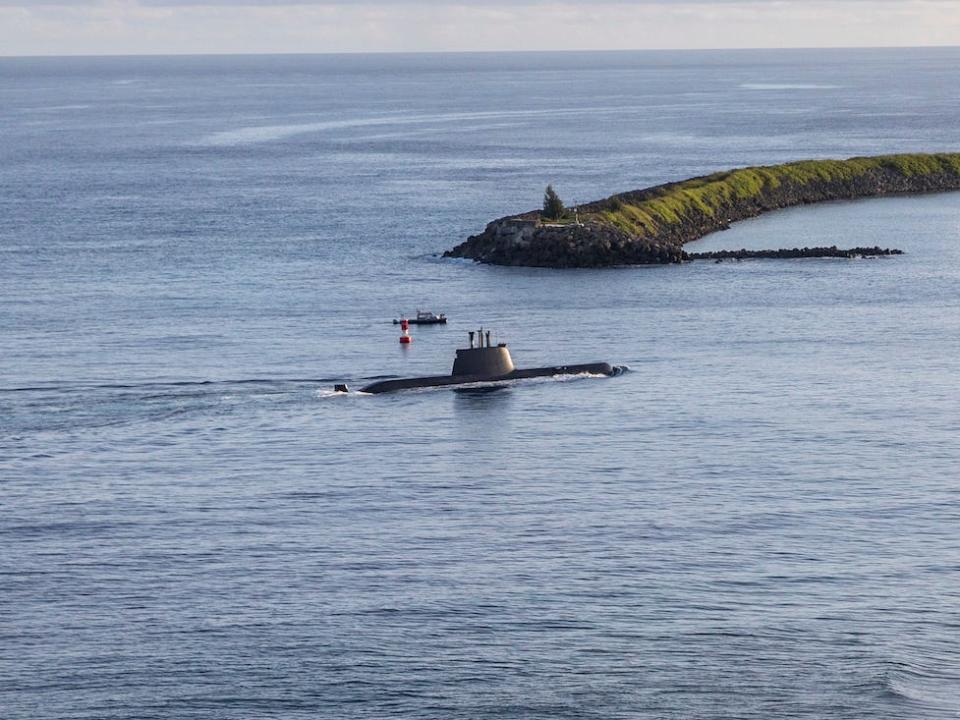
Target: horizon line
x=565, y=51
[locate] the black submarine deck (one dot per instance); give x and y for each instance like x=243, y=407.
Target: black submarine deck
x=384, y=386
x=485, y=362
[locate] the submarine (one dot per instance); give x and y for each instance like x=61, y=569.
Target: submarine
x=485, y=362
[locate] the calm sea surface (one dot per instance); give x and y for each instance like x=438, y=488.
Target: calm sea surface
x=760, y=520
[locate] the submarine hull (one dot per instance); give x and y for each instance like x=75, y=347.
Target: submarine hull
x=385, y=386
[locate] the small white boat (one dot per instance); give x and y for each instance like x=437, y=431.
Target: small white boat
x=425, y=317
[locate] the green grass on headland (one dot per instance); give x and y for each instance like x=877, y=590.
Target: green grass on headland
x=650, y=212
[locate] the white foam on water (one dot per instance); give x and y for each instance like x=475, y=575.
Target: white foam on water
x=934, y=690
x=263, y=133
x=268, y=133
x=493, y=384
x=324, y=393
x=54, y=108
x=400, y=134
x=788, y=86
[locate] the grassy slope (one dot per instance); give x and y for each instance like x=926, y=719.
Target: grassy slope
x=642, y=213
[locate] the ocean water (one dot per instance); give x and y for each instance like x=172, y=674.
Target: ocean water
x=761, y=519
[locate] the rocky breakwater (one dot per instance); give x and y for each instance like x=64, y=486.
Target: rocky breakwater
x=526, y=241
x=793, y=253
x=652, y=225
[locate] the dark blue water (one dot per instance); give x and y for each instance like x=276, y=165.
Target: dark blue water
x=759, y=520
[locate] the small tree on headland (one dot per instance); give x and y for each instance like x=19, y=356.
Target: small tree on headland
x=553, y=208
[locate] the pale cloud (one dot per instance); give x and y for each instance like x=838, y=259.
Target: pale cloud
x=423, y=3
x=54, y=27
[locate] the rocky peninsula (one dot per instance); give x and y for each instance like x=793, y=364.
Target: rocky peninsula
x=652, y=225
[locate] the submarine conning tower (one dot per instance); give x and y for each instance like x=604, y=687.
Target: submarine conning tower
x=483, y=358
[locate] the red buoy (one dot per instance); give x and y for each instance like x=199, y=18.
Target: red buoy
x=405, y=338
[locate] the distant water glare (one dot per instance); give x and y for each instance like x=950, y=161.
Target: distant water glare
x=266, y=133
x=788, y=86
x=758, y=520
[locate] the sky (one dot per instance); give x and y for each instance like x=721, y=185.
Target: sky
x=120, y=27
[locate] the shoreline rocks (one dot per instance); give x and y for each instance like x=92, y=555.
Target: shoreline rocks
x=514, y=241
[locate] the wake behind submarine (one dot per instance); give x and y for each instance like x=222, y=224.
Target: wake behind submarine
x=484, y=362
